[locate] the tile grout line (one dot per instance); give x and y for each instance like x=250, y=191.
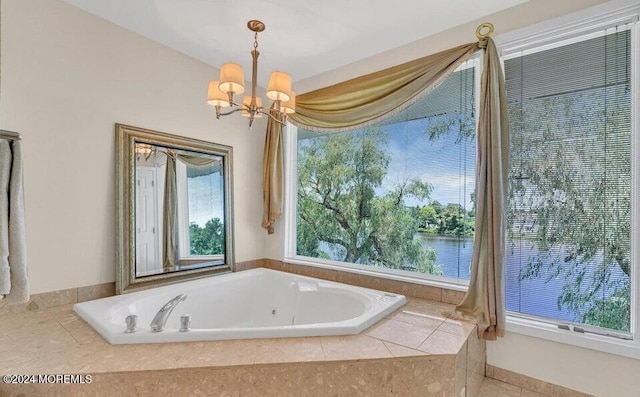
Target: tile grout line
x=387, y=348
x=425, y=339
x=65, y=328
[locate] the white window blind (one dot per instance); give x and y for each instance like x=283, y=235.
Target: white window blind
x=397, y=195
x=569, y=219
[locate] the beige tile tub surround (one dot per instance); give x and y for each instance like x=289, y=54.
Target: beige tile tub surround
x=60, y=298
x=392, y=377
x=66, y=344
x=379, y=361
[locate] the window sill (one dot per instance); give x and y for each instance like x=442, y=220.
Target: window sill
x=201, y=257
x=396, y=275
x=606, y=344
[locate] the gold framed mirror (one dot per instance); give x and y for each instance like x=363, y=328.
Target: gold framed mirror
x=174, y=208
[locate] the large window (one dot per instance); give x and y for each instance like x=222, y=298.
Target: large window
x=569, y=224
x=398, y=195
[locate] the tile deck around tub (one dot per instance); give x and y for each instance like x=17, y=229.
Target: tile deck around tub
x=56, y=340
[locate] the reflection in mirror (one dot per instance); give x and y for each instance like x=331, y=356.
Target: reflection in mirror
x=179, y=210
x=174, y=208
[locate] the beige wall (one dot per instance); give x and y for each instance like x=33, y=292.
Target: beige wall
x=67, y=78
x=597, y=373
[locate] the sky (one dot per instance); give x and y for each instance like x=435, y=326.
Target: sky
x=448, y=166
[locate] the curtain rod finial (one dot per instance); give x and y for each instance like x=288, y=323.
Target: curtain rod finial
x=484, y=30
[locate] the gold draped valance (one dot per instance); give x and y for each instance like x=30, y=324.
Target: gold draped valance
x=374, y=96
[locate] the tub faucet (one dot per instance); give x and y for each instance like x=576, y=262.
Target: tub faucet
x=157, y=325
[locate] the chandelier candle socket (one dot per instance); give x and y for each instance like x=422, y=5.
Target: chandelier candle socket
x=246, y=104
x=221, y=92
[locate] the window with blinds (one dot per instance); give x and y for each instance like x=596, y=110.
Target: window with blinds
x=569, y=217
x=398, y=195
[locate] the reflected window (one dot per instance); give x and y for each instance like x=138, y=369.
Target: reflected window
x=206, y=227
x=193, y=184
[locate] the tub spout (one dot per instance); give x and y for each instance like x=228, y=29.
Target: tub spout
x=162, y=316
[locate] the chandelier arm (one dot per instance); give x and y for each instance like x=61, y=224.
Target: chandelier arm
x=261, y=111
x=232, y=111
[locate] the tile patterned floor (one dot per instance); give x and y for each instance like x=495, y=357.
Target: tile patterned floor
x=495, y=388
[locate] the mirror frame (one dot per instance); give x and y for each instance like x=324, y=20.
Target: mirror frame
x=126, y=138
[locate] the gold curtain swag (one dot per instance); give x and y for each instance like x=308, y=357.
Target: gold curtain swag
x=367, y=99
x=197, y=161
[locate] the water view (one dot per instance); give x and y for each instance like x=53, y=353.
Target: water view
x=534, y=295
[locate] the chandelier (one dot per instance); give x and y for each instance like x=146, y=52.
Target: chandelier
x=231, y=82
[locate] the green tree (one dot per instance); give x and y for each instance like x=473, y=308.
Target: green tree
x=612, y=312
x=437, y=206
x=570, y=194
x=428, y=218
x=208, y=240
x=450, y=220
x=338, y=205
x=455, y=221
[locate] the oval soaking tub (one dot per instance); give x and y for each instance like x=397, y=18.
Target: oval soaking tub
x=257, y=303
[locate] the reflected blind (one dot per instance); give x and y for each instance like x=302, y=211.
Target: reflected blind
x=569, y=220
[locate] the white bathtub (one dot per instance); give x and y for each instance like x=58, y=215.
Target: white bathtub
x=257, y=303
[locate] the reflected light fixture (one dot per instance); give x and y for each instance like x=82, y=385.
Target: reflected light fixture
x=145, y=150
x=231, y=82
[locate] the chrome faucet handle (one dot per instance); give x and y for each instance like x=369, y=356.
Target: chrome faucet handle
x=185, y=322
x=132, y=324
x=157, y=325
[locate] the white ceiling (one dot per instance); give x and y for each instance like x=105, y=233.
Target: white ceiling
x=302, y=37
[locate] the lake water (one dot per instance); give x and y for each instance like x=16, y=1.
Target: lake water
x=535, y=296
x=453, y=254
